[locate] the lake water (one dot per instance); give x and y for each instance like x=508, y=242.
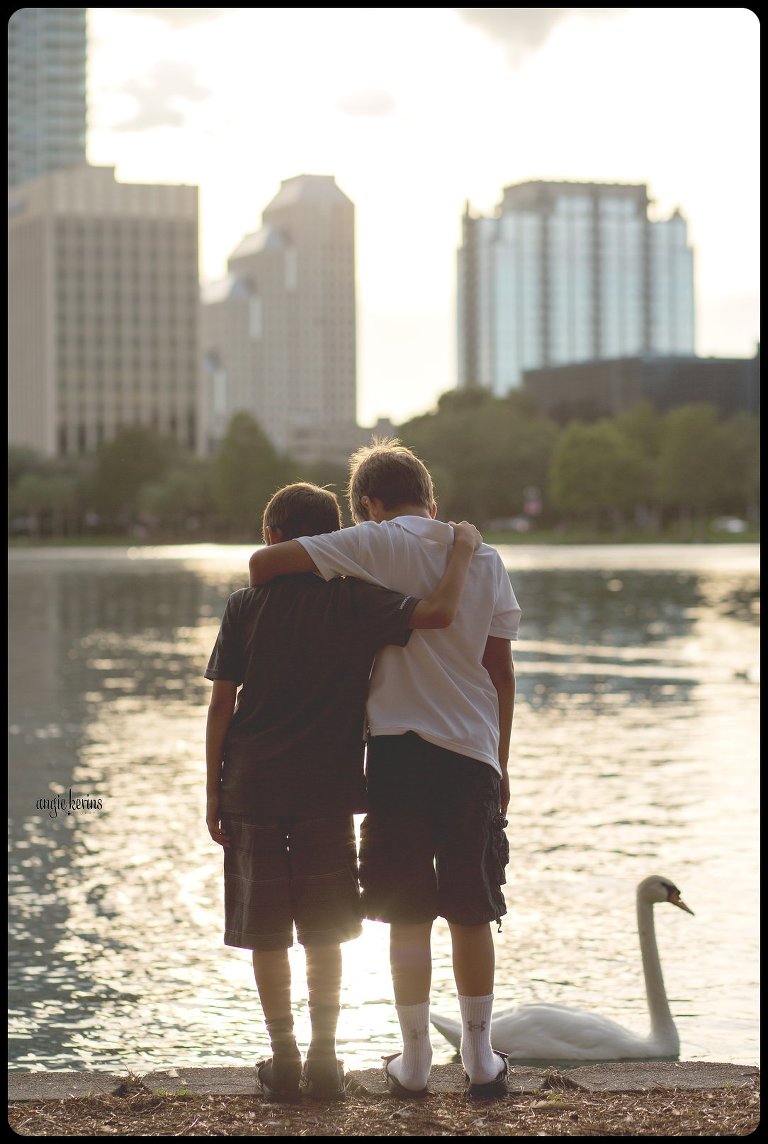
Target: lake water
x=635, y=751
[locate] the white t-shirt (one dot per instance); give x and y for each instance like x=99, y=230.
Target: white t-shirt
x=436, y=685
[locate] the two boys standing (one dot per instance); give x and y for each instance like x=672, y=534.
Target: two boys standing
x=285, y=761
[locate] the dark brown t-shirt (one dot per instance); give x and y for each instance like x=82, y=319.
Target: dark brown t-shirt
x=303, y=650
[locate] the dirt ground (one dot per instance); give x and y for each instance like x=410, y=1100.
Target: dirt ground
x=136, y=1111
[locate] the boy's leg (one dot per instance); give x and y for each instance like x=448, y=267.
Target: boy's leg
x=258, y=917
x=399, y=886
x=326, y=902
x=473, y=968
x=324, y=988
x=272, y=971
x=410, y=957
x=472, y=854
x=474, y=959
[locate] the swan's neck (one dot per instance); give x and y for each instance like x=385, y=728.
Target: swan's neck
x=662, y=1026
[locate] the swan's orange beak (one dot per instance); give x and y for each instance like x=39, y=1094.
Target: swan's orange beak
x=676, y=900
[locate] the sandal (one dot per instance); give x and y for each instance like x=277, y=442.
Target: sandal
x=395, y=1087
x=279, y=1080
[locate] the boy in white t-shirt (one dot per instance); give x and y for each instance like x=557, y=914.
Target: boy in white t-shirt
x=439, y=722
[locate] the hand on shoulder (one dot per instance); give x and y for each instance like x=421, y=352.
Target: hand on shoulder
x=466, y=533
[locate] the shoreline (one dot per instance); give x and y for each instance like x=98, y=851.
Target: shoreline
x=224, y=1080
x=647, y=1098
x=514, y=539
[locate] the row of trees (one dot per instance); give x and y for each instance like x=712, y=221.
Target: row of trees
x=143, y=484
x=640, y=467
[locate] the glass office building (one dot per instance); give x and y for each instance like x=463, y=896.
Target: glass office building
x=570, y=272
x=47, y=53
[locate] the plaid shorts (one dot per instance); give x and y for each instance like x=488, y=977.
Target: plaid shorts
x=281, y=873
x=433, y=841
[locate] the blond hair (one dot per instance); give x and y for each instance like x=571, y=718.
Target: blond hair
x=392, y=473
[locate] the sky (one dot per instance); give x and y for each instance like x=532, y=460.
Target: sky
x=418, y=111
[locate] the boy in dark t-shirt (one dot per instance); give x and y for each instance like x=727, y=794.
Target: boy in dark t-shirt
x=285, y=771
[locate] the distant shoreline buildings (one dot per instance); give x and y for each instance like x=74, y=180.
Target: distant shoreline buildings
x=279, y=333
x=590, y=390
x=568, y=272
x=103, y=302
x=47, y=58
x=569, y=292
x=103, y=311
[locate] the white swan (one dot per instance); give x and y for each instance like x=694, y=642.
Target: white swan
x=541, y=1032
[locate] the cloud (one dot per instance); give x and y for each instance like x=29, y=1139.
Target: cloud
x=181, y=17
x=162, y=94
x=525, y=30
x=369, y=102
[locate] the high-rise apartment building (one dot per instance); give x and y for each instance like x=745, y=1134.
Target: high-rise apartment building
x=278, y=334
x=103, y=309
x=570, y=272
x=47, y=50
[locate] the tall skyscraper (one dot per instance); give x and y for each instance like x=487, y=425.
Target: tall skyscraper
x=103, y=309
x=570, y=272
x=47, y=50
x=279, y=337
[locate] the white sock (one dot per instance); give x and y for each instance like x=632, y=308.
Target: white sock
x=412, y=1067
x=480, y=1062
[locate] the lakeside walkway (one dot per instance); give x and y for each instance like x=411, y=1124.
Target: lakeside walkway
x=621, y=1076
x=643, y=1098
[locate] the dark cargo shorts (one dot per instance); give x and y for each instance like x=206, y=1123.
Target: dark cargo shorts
x=433, y=841
x=281, y=873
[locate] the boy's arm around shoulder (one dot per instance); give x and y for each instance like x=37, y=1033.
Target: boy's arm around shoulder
x=278, y=560
x=497, y=661
x=220, y=711
x=439, y=609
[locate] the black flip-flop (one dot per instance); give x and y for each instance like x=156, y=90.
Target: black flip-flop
x=394, y=1086
x=324, y=1080
x=279, y=1082
x=492, y=1089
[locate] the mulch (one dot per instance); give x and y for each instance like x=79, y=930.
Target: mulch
x=134, y=1110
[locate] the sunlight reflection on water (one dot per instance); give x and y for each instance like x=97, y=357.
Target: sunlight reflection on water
x=635, y=752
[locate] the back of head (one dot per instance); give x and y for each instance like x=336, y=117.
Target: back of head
x=389, y=471
x=302, y=509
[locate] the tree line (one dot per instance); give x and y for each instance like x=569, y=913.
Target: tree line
x=495, y=461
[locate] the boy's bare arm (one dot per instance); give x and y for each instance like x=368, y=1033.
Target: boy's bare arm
x=497, y=661
x=278, y=560
x=439, y=609
x=220, y=711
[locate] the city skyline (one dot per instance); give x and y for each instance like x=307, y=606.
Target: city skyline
x=104, y=312
x=567, y=272
x=417, y=111
x=47, y=50
x=278, y=333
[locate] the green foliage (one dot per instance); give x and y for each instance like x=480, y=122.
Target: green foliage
x=327, y=475
x=21, y=461
x=595, y=469
x=40, y=502
x=707, y=466
x=460, y=400
x=640, y=468
x=642, y=426
x=181, y=501
x=134, y=457
x=691, y=458
x=740, y=442
x=483, y=452
x=247, y=471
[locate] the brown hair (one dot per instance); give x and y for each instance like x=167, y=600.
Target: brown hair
x=302, y=509
x=389, y=471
